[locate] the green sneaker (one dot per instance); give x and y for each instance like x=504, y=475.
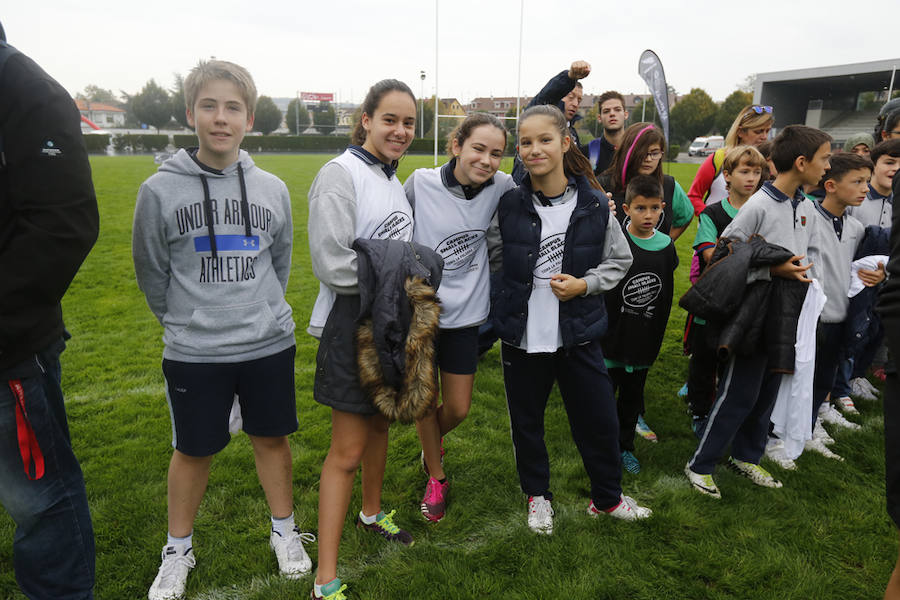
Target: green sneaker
x=702, y=483
x=754, y=473
x=384, y=526
x=333, y=590
x=630, y=462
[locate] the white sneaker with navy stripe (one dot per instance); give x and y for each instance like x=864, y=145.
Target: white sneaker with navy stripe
x=177, y=562
x=293, y=561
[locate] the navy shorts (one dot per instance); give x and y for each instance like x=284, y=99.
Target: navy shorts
x=200, y=397
x=457, y=350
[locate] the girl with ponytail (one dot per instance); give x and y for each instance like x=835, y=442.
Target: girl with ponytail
x=559, y=251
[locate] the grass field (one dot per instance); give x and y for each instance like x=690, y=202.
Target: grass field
x=824, y=535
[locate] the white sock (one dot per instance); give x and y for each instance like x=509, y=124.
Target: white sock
x=368, y=520
x=283, y=526
x=177, y=541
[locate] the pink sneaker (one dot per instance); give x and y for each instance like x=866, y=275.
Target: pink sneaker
x=433, y=503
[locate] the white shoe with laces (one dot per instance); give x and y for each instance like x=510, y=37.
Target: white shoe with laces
x=845, y=403
x=776, y=453
x=540, y=515
x=177, y=562
x=820, y=433
x=293, y=561
x=861, y=388
x=831, y=415
x=627, y=510
x=816, y=445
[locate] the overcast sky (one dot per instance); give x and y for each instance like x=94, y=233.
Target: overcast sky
x=343, y=46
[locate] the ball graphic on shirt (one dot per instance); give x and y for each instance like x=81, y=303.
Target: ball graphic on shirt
x=459, y=249
x=550, y=255
x=393, y=227
x=641, y=289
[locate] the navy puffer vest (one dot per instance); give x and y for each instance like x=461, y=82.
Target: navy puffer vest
x=582, y=319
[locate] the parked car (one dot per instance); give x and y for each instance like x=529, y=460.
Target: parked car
x=704, y=146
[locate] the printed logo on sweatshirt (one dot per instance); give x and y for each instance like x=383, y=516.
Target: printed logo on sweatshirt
x=641, y=290
x=550, y=256
x=192, y=216
x=48, y=148
x=393, y=227
x=459, y=249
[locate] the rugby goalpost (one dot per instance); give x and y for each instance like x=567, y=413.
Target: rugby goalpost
x=437, y=96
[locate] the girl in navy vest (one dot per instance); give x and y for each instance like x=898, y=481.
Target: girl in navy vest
x=453, y=207
x=356, y=195
x=560, y=251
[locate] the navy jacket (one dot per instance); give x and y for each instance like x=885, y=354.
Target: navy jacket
x=581, y=319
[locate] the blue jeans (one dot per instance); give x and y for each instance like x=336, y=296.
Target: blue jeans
x=53, y=547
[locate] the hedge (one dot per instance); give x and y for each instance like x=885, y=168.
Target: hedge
x=143, y=142
x=317, y=143
x=96, y=143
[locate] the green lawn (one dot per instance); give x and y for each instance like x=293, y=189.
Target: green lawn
x=824, y=535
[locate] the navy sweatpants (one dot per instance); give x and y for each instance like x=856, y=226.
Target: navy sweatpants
x=740, y=417
x=591, y=408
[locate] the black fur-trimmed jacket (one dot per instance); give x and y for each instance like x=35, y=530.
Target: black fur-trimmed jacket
x=398, y=325
x=750, y=318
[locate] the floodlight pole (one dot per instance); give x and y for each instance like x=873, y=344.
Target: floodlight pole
x=297, y=114
x=422, y=106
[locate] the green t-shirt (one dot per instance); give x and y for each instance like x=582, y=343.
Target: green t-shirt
x=706, y=230
x=682, y=209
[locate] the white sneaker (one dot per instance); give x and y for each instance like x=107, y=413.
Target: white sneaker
x=754, y=473
x=830, y=415
x=177, y=562
x=816, y=445
x=776, y=453
x=293, y=561
x=540, y=515
x=846, y=405
x=820, y=433
x=702, y=483
x=627, y=510
x=861, y=388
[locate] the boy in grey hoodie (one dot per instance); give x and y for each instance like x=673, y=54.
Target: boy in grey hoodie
x=212, y=253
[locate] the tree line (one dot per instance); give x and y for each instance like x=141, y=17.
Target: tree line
x=159, y=107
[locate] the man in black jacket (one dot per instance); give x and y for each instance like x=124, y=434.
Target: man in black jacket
x=48, y=224
x=565, y=92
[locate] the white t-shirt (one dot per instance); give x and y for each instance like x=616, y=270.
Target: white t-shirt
x=382, y=212
x=542, y=333
x=455, y=228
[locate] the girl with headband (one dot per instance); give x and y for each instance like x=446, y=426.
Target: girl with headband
x=641, y=153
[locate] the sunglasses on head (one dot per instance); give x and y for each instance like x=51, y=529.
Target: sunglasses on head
x=761, y=109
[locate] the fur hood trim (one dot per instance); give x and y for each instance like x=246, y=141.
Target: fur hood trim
x=419, y=390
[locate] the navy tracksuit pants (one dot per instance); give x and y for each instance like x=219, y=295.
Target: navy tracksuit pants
x=591, y=408
x=740, y=416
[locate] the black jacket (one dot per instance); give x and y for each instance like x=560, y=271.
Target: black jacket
x=552, y=93
x=749, y=318
x=48, y=210
x=889, y=299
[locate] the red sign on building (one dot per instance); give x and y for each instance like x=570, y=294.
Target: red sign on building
x=316, y=97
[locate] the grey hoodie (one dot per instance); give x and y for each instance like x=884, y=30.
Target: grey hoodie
x=212, y=254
